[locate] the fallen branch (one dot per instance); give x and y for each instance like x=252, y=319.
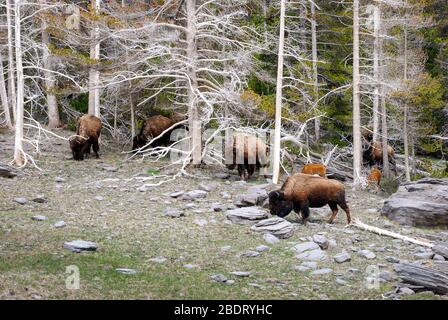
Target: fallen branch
x=423, y=242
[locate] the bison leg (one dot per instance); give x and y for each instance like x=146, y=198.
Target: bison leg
x=250, y=170
x=334, y=211
x=96, y=147
x=241, y=171
x=305, y=210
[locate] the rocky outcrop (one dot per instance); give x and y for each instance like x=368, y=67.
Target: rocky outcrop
x=419, y=203
x=278, y=227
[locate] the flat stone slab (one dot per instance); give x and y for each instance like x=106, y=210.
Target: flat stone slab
x=248, y=215
x=241, y=273
x=270, y=238
x=342, y=257
x=278, y=227
x=306, y=246
x=366, y=254
x=173, y=213
x=39, y=218
x=60, y=224
x=126, y=271
x=81, y=245
x=20, y=200
x=195, y=194
x=313, y=255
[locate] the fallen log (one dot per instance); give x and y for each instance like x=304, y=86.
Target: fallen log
x=433, y=276
x=441, y=248
x=7, y=171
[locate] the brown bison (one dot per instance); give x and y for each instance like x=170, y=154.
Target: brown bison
x=315, y=168
x=373, y=153
x=374, y=178
x=88, y=130
x=301, y=192
x=152, y=128
x=249, y=154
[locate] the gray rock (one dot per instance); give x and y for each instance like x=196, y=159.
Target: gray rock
x=424, y=255
x=190, y=266
x=403, y=291
x=201, y=222
x=226, y=248
x=419, y=203
x=99, y=198
x=320, y=272
x=366, y=254
x=342, y=257
x=264, y=248
x=208, y=187
x=195, y=194
x=321, y=241
x=59, y=180
x=306, y=246
x=222, y=175
x=60, y=224
x=386, y=276
x=173, y=213
x=253, y=197
x=441, y=248
x=279, y=227
x=21, y=201
x=230, y=282
x=225, y=195
x=158, y=259
x=241, y=273
x=341, y=281
x=250, y=254
x=40, y=199
x=313, y=255
x=219, y=277
x=392, y=260
x=218, y=207
x=107, y=167
x=310, y=264
x=301, y=268
x=81, y=245
x=126, y=271
x=176, y=194
x=438, y=257
x=270, y=238
x=247, y=215
x=39, y=218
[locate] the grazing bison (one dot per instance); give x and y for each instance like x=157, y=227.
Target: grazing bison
x=301, y=192
x=374, y=178
x=315, y=168
x=88, y=130
x=373, y=155
x=152, y=128
x=249, y=154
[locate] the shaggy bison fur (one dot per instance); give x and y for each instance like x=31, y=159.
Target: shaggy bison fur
x=88, y=130
x=373, y=153
x=301, y=192
x=249, y=154
x=315, y=168
x=374, y=178
x=152, y=128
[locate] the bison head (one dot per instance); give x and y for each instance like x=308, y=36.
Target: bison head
x=138, y=142
x=278, y=205
x=78, y=145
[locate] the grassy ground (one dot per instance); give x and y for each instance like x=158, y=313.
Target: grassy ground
x=131, y=230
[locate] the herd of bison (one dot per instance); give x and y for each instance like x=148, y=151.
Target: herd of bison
x=301, y=191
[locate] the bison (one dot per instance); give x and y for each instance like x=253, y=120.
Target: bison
x=374, y=178
x=249, y=154
x=88, y=130
x=301, y=192
x=315, y=168
x=152, y=128
x=373, y=153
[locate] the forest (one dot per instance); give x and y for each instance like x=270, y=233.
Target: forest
x=164, y=91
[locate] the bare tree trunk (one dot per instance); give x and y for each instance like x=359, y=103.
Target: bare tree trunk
x=193, y=117
x=376, y=71
x=11, y=76
x=265, y=5
x=315, y=74
x=132, y=115
x=50, y=79
x=4, y=95
x=413, y=163
x=384, y=134
x=357, y=163
x=18, y=147
x=278, y=97
x=405, y=116
x=94, y=74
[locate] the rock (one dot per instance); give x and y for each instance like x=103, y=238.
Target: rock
x=208, y=187
x=81, y=245
x=60, y=224
x=310, y=264
x=313, y=255
x=320, y=272
x=419, y=203
x=225, y=195
x=342, y=257
x=218, y=207
x=59, y=180
x=301, y=268
x=278, y=227
x=366, y=254
x=255, y=196
x=441, y=248
x=126, y=271
x=321, y=241
x=226, y=248
x=241, y=273
x=250, y=254
x=7, y=171
x=386, y=276
x=222, y=176
x=219, y=277
x=264, y=248
x=247, y=215
x=99, y=198
x=392, y=260
x=40, y=199
x=39, y=218
x=142, y=188
x=21, y=201
x=372, y=211
x=341, y=281
x=230, y=282
x=433, y=276
x=270, y=238
x=306, y=246
x=107, y=167
x=424, y=255
x=201, y=222
x=190, y=266
x=176, y=194
x=158, y=259
x=195, y=194
x=403, y=291
x=173, y=213
x=438, y=257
